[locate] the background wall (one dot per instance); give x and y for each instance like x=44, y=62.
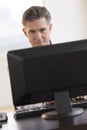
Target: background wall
x=11, y=34
x=11, y=38
x=5, y=89
x=69, y=19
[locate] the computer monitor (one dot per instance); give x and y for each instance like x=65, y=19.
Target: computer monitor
x=45, y=73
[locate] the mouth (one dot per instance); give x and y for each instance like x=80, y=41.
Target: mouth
x=39, y=43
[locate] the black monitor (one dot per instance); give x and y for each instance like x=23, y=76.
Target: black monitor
x=45, y=73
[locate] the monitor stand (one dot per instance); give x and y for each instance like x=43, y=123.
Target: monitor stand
x=63, y=107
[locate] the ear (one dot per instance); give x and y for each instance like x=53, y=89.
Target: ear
x=50, y=27
x=24, y=31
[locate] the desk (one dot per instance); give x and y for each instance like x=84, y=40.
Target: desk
x=7, y=109
x=36, y=123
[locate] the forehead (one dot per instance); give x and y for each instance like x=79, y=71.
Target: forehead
x=39, y=23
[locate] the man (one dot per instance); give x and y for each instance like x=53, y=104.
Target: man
x=37, y=28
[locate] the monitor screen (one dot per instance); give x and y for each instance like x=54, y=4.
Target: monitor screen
x=37, y=73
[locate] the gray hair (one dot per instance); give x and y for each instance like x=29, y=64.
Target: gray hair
x=34, y=13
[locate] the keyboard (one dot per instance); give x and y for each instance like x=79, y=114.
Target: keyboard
x=23, y=113
x=79, y=103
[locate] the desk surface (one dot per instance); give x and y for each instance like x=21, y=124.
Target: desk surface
x=7, y=109
x=36, y=123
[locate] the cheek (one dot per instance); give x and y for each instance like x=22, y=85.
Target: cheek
x=28, y=36
x=47, y=35
x=31, y=39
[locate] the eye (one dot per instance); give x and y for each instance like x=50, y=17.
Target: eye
x=31, y=32
x=42, y=30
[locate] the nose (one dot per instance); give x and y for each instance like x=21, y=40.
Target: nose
x=38, y=35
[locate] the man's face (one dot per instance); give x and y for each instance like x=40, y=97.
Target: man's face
x=38, y=32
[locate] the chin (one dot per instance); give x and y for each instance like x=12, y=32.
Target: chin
x=40, y=44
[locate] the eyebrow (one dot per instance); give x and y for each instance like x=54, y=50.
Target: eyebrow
x=32, y=30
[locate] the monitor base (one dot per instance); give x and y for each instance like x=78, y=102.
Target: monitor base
x=54, y=115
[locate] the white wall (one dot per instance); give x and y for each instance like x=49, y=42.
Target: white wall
x=11, y=37
x=69, y=19
x=5, y=89
x=69, y=23
x=11, y=34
